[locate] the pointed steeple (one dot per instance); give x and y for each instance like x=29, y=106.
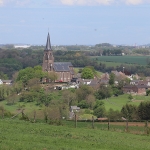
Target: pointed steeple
x=48, y=43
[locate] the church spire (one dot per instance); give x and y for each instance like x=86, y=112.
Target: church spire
x=48, y=43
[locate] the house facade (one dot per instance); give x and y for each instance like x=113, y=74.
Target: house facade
x=64, y=70
x=135, y=89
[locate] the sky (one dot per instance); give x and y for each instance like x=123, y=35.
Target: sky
x=70, y=22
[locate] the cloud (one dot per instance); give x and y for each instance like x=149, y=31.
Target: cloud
x=134, y=2
x=15, y=2
x=1, y=2
x=103, y=2
x=86, y=2
x=39, y=3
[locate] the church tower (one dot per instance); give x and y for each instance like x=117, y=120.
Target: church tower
x=48, y=59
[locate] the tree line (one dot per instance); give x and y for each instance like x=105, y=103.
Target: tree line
x=12, y=60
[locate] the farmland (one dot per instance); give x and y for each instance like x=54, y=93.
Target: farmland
x=23, y=135
x=139, y=60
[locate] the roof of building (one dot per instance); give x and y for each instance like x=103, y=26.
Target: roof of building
x=62, y=66
x=105, y=76
x=48, y=43
x=75, y=107
x=7, y=81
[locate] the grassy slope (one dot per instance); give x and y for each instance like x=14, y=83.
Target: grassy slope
x=116, y=103
x=16, y=135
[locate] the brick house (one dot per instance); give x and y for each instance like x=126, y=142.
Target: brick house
x=135, y=89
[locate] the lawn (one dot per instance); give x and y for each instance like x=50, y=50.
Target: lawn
x=21, y=135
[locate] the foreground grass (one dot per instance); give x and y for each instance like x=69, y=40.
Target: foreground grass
x=20, y=135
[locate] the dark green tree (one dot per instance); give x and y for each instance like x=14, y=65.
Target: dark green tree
x=103, y=92
x=129, y=111
x=100, y=111
x=144, y=110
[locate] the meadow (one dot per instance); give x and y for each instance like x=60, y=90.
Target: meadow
x=22, y=135
x=116, y=103
x=140, y=60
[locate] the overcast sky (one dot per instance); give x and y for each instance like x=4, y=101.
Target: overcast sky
x=85, y=22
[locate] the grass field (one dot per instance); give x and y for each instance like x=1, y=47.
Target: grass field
x=140, y=60
x=116, y=103
x=21, y=135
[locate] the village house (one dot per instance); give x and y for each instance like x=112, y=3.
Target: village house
x=5, y=82
x=140, y=82
x=73, y=110
x=135, y=89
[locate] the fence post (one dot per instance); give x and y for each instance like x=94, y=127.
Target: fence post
x=127, y=125
x=75, y=119
x=22, y=113
x=93, y=122
x=108, y=124
x=34, y=116
x=146, y=125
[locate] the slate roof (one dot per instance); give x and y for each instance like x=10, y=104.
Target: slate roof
x=48, y=43
x=62, y=66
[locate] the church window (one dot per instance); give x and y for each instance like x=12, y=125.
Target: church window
x=46, y=56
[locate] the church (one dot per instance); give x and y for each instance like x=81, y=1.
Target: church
x=64, y=70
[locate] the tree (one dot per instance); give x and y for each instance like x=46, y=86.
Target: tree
x=100, y=111
x=112, y=79
x=114, y=114
x=103, y=92
x=147, y=92
x=129, y=111
x=28, y=73
x=130, y=97
x=87, y=73
x=3, y=76
x=144, y=110
x=83, y=92
x=83, y=104
x=51, y=76
x=68, y=97
x=91, y=101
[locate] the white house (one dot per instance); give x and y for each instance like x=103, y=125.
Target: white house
x=1, y=82
x=7, y=82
